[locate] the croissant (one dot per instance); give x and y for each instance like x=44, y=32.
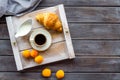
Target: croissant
x=49, y=21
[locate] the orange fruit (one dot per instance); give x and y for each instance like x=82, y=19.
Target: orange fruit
x=60, y=74
x=34, y=53
x=38, y=59
x=26, y=53
x=46, y=72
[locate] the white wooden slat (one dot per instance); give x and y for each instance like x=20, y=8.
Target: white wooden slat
x=66, y=32
x=14, y=43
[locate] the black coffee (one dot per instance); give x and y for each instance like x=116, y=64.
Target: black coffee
x=40, y=39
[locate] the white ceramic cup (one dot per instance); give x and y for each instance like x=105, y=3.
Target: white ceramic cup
x=40, y=39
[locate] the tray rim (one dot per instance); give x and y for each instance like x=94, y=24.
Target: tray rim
x=14, y=44
x=66, y=32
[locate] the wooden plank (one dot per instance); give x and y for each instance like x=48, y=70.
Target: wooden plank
x=81, y=47
x=3, y=31
x=95, y=31
x=79, y=64
x=81, y=2
x=66, y=32
x=14, y=44
x=5, y=47
x=50, y=55
x=23, y=42
x=68, y=76
x=93, y=14
x=82, y=31
x=96, y=47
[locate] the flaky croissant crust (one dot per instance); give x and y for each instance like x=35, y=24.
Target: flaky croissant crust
x=50, y=21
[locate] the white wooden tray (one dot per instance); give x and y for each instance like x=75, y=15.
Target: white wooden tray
x=60, y=49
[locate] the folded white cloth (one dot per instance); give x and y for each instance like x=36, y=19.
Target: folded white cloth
x=14, y=7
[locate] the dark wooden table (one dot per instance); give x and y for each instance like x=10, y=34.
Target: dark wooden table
x=95, y=31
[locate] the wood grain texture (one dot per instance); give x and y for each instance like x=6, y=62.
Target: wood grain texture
x=68, y=76
x=5, y=48
x=66, y=32
x=82, y=31
x=93, y=14
x=81, y=47
x=81, y=2
x=96, y=47
x=95, y=31
x=79, y=64
x=4, y=31
x=13, y=43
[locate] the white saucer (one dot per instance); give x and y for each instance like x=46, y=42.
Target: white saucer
x=46, y=45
